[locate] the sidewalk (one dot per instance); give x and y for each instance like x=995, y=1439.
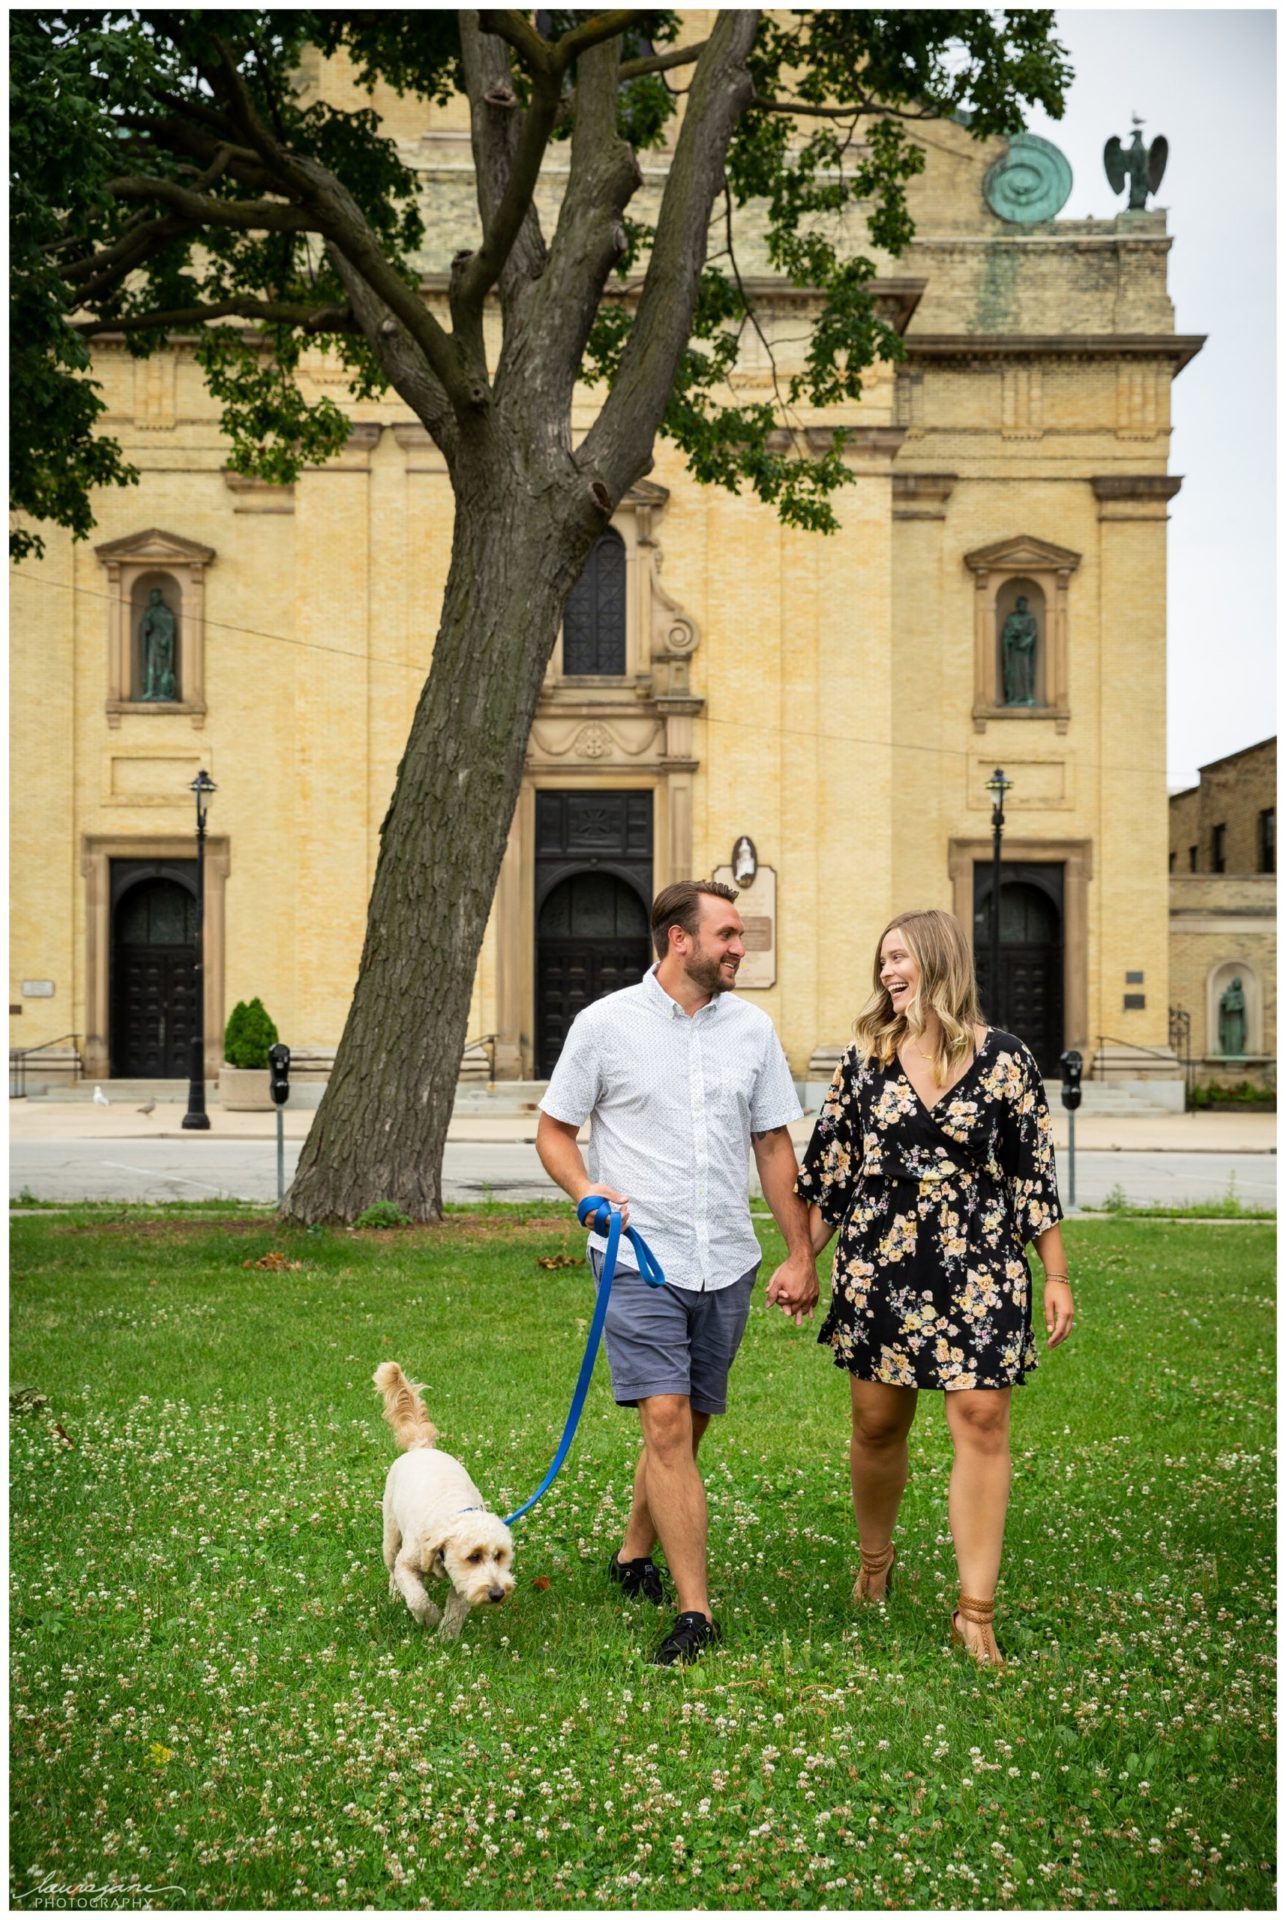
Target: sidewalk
x=1095, y=1132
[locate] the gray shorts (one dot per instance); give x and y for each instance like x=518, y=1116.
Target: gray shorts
x=669, y=1340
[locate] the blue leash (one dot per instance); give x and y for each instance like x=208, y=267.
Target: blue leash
x=603, y=1217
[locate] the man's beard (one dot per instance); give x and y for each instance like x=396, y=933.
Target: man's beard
x=708, y=975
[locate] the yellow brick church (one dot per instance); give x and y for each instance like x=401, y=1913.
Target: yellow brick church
x=822, y=713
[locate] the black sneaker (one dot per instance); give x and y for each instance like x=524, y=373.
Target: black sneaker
x=690, y=1635
x=638, y=1577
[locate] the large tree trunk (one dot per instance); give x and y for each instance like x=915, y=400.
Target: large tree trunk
x=519, y=544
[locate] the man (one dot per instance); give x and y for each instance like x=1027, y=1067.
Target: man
x=680, y=1078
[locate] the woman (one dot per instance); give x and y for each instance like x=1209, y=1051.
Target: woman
x=933, y=1158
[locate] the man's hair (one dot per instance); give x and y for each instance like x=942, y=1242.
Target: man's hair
x=680, y=906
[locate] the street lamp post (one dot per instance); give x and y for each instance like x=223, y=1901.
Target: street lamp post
x=999, y=787
x=196, y=1117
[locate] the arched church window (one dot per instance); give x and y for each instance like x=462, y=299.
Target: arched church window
x=594, y=616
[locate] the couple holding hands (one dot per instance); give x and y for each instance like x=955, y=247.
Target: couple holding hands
x=932, y=1159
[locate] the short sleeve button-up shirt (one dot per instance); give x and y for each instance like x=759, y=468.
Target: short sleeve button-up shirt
x=673, y=1099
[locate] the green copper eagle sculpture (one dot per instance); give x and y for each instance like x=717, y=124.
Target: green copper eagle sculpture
x=1140, y=166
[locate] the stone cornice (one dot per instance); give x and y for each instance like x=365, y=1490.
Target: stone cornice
x=922, y=496
x=1136, y=486
x=895, y=298
x=1177, y=347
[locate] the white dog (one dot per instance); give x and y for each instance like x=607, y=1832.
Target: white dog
x=435, y=1521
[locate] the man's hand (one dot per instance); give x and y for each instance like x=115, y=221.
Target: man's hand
x=618, y=1200
x=561, y=1158
x=794, y=1287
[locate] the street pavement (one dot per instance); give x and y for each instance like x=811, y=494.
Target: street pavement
x=102, y=1165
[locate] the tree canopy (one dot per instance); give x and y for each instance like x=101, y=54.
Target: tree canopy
x=169, y=179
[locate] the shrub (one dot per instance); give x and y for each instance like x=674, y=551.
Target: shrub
x=1245, y=1094
x=385, y=1213
x=248, y=1035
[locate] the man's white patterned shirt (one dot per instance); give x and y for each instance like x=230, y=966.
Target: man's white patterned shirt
x=673, y=1100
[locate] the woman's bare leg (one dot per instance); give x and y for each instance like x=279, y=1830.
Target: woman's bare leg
x=878, y=1459
x=978, y=1419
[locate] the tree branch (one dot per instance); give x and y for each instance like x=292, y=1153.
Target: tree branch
x=249, y=216
x=487, y=264
x=857, y=111
x=285, y=312
x=550, y=59
x=495, y=136
x=399, y=355
x=516, y=30
x=588, y=240
x=594, y=32
x=99, y=272
x=661, y=62
x=341, y=221
x=618, y=446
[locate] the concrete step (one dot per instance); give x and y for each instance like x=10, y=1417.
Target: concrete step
x=1139, y=1097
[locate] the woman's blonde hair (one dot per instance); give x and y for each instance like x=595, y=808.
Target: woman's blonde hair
x=936, y=942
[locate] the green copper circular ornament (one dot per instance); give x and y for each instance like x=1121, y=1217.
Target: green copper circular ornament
x=1031, y=182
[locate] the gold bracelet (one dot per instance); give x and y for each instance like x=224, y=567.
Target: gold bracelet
x=1056, y=1276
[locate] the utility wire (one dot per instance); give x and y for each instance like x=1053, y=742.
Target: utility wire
x=710, y=720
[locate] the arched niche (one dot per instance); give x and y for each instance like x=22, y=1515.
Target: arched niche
x=160, y=581
x=1021, y=587
x=1001, y=572
x=134, y=566
x=1218, y=980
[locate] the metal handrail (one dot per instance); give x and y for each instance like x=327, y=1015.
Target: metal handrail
x=1157, y=1053
x=19, y=1056
x=1181, y=1041
x=487, y=1040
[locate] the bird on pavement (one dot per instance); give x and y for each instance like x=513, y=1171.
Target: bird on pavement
x=100, y=1098
x=149, y=1108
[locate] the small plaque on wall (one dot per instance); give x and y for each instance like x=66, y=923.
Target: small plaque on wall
x=757, y=905
x=38, y=989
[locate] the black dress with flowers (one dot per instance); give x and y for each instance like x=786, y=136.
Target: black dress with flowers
x=935, y=1206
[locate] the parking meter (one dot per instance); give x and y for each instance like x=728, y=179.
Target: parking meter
x=1072, y=1064
x=279, y=1073
x=279, y=1087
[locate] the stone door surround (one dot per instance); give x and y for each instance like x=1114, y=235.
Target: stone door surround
x=1077, y=861
x=97, y=853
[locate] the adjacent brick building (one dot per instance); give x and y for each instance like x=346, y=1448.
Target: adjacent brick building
x=1223, y=916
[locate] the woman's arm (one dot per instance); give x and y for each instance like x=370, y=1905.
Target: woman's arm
x=1060, y=1310
x=820, y=1231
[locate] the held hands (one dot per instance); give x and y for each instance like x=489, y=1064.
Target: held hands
x=1059, y=1311
x=794, y=1287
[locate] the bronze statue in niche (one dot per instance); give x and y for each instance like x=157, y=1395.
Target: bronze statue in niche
x=1232, y=1019
x=1018, y=639
x=158, y=634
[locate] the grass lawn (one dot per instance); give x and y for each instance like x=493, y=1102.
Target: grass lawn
x=212, y=1692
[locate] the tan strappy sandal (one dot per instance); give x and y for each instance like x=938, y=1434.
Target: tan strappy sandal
x=980, y=1613
x=875, y=1566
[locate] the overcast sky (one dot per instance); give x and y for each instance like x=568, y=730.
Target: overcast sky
x=1207, y=81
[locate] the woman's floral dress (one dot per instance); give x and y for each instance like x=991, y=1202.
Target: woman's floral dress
x=935, y=1207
